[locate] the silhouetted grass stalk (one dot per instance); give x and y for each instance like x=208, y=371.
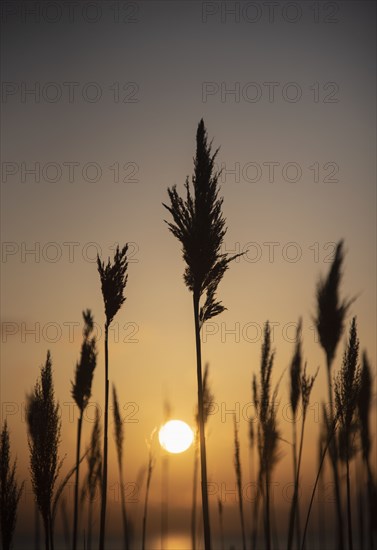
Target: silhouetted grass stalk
x=347, y=387
x=251, y=467
x=331, y=433
x=220, y=509
x=207, y=404
x=10, y=491
x=268, y=434
x=149, y=478
x=194, y=489
x=119, y=438
x=238, y=469
x=305, y=387
x=329, y=322
x=44, y=437
x=113, y=281
x=363, y=409
x=81, y=393
x=295, y=374
x=94, y=474
x=199, y=225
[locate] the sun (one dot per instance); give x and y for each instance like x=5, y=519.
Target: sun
x=175, y=436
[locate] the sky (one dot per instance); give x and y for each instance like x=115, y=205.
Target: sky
x=100, y=105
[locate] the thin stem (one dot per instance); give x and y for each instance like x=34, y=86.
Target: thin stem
x=146, y=502
x=334, y=462
x=371, y=518
x=123, y=504
x=203, y=460
x=47, y=533
x=221, y=530
x=256, y=511
x=90, y=513
x=104, y=476
x=194, y=492
x=51, y=525
x=315, y=486
x=349, y=516
x=75, y=514
x=251, y=450
x=267, y=512
x=294, y=507
x=164, y=498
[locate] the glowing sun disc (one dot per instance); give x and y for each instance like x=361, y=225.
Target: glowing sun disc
x=175, y=436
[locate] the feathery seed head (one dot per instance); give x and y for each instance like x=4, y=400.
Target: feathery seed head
x=113, y=282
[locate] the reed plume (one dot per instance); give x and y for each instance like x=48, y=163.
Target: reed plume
x=44, y=437
x=295, y=376
x=238, y=470
x=252, y=441
x=10, y=490
x=347, y=385
x=93, y=478
x=119, y=439
x=363, y=409
x=199, y=225
x=329, y=322
x=81, y=393
x=268, y=433
x=113, y=278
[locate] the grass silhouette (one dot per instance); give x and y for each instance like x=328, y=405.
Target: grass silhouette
x=119, y=439
x=347, y=387
x=208, y=399
x=113, y=278
x=268, y=433
x=93, y=478
x=329, y=321
x=199, y=225
x=10, y=491
x=238, y=470
x=81, y=393
x=295, y=379
x=150, y=467
x=44, y=437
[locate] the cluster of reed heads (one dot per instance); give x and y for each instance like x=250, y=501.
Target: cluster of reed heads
x=199, y=225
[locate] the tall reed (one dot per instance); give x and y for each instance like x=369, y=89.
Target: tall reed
x=295, y=376
x=363, y=409
x=268, y=434
x=251, y=438
x=208, y=399
x=347, y=387
x=151, y=462
x=305, y=388
x=220, y=510
x=10, y=491
x=93, y=479
x=167, y=410
x=199, y=225
x=81, y=393
x=330, y=433
x=238, y=470
x=329, y=321
x=113, y=282
x=44, y=437
x=119, y=439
